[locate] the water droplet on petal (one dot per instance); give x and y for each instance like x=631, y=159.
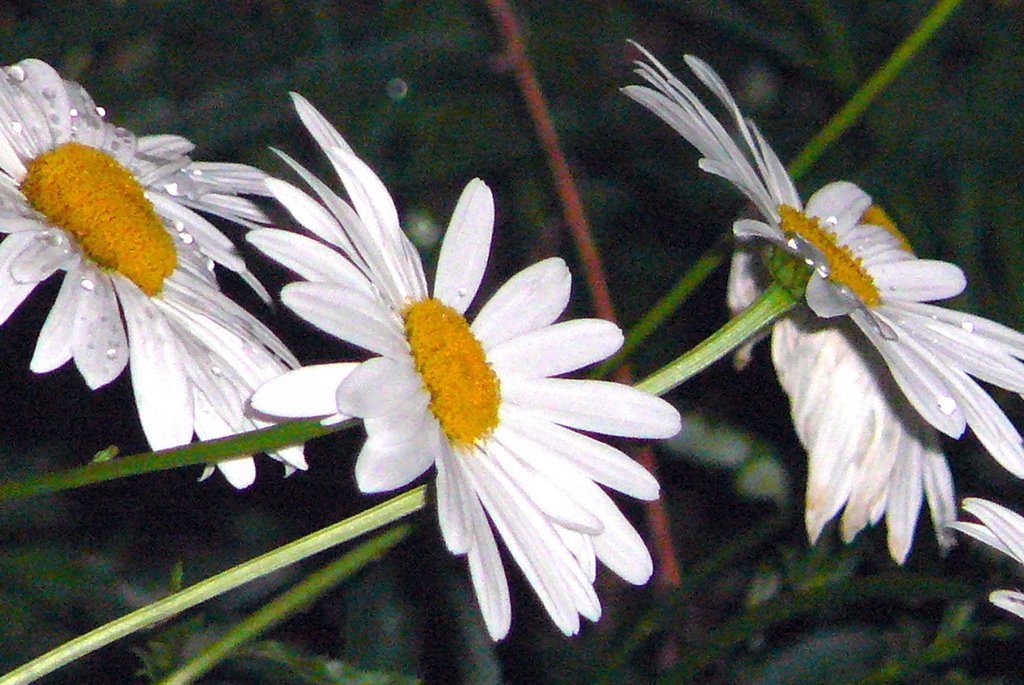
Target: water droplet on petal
x=216, y=371
x=831, y=221
x=87, y=284
x=462, y=292
x=16, y=73
x=947, y=405
x=102, y=112
x=179, y=225
x=73, y=112
x=967, y=326
x=112, y=353
x=16, y=127
x=172, y=189
x=187, y=238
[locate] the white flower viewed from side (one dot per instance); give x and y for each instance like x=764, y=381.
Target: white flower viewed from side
x=1001, y=529
x=477, y=401
x=868, y=453
x=863, y=269
x=115, y=214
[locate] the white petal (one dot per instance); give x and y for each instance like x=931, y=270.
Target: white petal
x=377, y=387
x=617, y=544
x=454, y=506
x=594, y=459
x=919, y=280
x=53, y=348
x=240, y=473
x=460, y=266
x=599, y=406
x=938, y=487
x=918, y=378
x=159, y=376
x=1005, y=524
x=547, y=564
x=488, y=574
x=384, y=465
x=827, y=300
x=749, y=228
x=556, y=349
x=97, y=336
x=311, y=260
x=325, y=135
x=531, y=299
x=348, y=315
x=838, y=205
x=13, y=292
x=1009, y=600
x=304, y=393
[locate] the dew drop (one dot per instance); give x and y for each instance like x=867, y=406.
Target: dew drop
x=101, y=111
x=831, y=221
x=179, y=225
x=187, y=238
x=112, y=353
x=947, y=405
x=16, y=127
x=462, y=292
x=16, y=73
x=196, y=172
x=172, y=189
x=87, y=284
x=216, y=371
x=73, y=112
x=967, y=326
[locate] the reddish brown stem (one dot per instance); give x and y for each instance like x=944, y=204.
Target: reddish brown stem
x=668, y=573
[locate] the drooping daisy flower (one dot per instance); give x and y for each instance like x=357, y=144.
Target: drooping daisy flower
x=1003, y=530
x=864, y=269
x=867, y=450
x=477, y=401
x=115, y=215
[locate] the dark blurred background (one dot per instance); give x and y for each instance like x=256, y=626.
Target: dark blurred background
x=423, y=92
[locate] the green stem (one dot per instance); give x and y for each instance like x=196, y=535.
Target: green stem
x=885, y=74
x=694, y=276
x=295, y=600
x=325, y=538
x=773, y=303
x=275, y=437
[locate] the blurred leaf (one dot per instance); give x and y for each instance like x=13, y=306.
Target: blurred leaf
x=758, y=471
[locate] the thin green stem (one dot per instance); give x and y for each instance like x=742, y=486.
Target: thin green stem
x=323, y=539
x=295, y=600
x=773, y=303
x=275, y=437
x=684, y=287
x=885, y=74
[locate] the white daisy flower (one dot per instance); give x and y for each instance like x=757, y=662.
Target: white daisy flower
x=867, y=451
x=115, y=214
x=863, y=269
x=478, y=401
x=1001, y=529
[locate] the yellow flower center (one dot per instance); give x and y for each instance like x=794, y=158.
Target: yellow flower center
x=876, y=216
x=844, y=267
x=464, y=391
x=88, y=194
